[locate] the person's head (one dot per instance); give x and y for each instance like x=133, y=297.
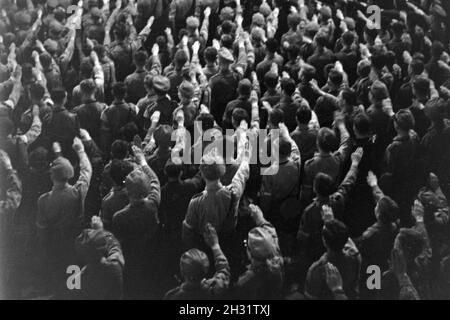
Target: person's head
x=271, y=46
x=59, y=96
x=46, y=60
x=435, y=110
x=180, y=59
x=227, y=41
x=321, y=40
x=261, y=245
x=238, y=115
x=335, y=235
x=39, y=159
x=378, y=60
x=86, y=68
x=437, y=48
x=326, y=140
x=194, y=266
x=119, y=170
x=323, y=185
x=206, y=119
x=421, y=89
x=378, y=92
x=128, y=131
x=88, y=89
x=271, y=80
x=347, y=99
x=140, y=58
x=284, y=148
x=192, y=23
x=293, y=51
x=293, y=20
x=210, y=55
x=37, y=92
x=363, y=68
x=348, y=38
x=227, y=27
x=258, y=20
x=172, y=170
x=212, y=168
x=186, y=92
x=276, y=116
x=100, y=50
x=307, y=73
x=386, y=210
x=61, y=171
x=390, y=59
x=161, y=85
x=119, y=90
x=226, y=14
x=335, y=78
x=120, y=31
x=361, y=125
x=411, y=242
x=287, y=86
x=303, y=115
x=244, y=88
x=404, y=121
x=120, y=149
x=138, y=185
x=416, y=67
x=398, y=28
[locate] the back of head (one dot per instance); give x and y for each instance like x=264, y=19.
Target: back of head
x=137, y=184
x=303, y=114
x=61, y=170
x=271, y=45
x=335, y=235
x=210, y=54
x=119, y=170
x=87, y=87
x=58, y=95
x=421, y=87
x=387, y=210
x=323, y=185
x=404, y=120
x=271, y=80
x=119, y=149
x=119, y=90
x=437, y=48
x=326, y=139
x=362, y=124
x=140, y=58
x=194, y=265
x=412, y=243
x=212, y=167
x=276, y=116
x=172, y=169
x=244, y=88
x=288, y=86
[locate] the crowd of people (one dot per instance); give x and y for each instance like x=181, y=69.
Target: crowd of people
x=98, y=99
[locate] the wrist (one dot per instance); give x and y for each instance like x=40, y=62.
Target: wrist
x=215, y=247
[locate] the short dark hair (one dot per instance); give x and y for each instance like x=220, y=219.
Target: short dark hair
x=349, y=96
x=287, y=85
x=239, y=114
x=207, y=120
x=37, y=91
x=119, y=149
x=140, y=57
x=378, y=60
x=422, y=86
x=437, y=48
x=271, y=79
x=323, y=184
x=335, y=234
x=322, y=39
x=348, y=38
x=387, y=210
x=303, y=114
x=417, y=66
x=336, y=77
x=87, y=86
x=210, y=54
x=276, y=116
x=172, y=170
x=326, y=139
x=119, y=90
x=58, y=95
x=362, y=123
x=119, y=170
x=404, y=119
x=284, y=146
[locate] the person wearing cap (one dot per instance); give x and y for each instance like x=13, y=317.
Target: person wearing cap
x=117, y=115
x=194, y=267
x=101, y=277
x=189, y=105
x=12, y=188
x=264, y=277
x=342, y=253
x=61, y=212
x=162, y=103
x=136, y=226
x=363, y=83
x=223, y=85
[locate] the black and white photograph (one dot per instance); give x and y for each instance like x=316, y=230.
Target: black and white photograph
x=236, y=151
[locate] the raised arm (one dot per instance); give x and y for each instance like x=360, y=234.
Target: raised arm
x=85, y=168
x=154, y=194
x=13, y=186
